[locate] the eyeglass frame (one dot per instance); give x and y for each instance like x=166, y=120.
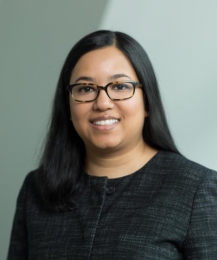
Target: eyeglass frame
x=134, y=83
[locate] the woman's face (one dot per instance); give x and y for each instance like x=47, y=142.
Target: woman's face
x=102, y=66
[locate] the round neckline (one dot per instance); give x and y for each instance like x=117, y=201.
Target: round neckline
x=93, y=177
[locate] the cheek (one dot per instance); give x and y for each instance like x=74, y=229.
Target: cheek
x=76, y=115
x=136, y=117
x=79, y=114
x=136, y=108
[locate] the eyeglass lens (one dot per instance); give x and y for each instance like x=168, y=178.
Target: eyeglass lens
x=88, y=92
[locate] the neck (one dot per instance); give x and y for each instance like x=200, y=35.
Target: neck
x=118, y=164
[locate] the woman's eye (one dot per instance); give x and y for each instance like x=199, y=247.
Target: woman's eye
x=121, y=86
x=85, y=89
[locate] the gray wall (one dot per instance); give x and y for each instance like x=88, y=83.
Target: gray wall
x=35, y=37
x=181, y=40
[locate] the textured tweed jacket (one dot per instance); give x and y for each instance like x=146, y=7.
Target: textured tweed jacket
x=166, y=210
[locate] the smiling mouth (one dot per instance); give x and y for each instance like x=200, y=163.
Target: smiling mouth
x=106, y=122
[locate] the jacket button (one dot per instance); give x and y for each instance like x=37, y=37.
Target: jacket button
x=110, y=190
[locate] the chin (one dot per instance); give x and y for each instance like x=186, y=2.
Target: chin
x=105, y=146
x=103, y=143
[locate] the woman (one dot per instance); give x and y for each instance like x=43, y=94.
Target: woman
x=111, y=183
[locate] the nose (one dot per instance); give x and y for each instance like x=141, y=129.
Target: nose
x=103, y=102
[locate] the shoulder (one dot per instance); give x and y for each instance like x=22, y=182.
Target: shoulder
x=29, y=180
x=192, y=190
x=178, y=165
x=174, y=174
x=28, y=190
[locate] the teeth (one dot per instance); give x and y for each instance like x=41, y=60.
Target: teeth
x=105, y=122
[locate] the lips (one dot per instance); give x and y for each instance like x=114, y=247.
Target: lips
x=105, y=122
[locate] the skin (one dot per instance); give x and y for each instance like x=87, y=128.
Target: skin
x=113, y=150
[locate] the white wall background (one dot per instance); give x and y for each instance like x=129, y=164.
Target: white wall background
x=180, y=38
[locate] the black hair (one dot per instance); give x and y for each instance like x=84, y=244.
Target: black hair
x=60, y=171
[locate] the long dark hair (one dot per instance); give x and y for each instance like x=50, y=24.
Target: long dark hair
x=60, y=171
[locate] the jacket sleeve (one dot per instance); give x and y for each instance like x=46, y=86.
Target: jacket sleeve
x=201, y=239
x=18, y=248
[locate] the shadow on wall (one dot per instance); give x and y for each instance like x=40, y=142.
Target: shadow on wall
x=35, y=39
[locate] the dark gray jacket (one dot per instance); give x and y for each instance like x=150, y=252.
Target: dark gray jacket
x=166, y=210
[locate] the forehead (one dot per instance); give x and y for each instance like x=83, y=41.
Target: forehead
x=103, y=62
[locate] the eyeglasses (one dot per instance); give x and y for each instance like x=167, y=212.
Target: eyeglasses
x=118, y=90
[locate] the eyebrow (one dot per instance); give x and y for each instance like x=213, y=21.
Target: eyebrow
x=115, y=76
x=85, y=78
